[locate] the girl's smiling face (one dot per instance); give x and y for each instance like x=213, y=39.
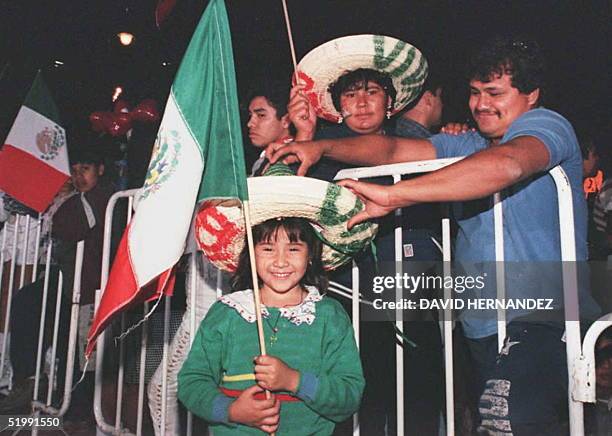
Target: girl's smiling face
x=281, y=265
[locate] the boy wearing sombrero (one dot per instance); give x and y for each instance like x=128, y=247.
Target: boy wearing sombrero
x=359, y=82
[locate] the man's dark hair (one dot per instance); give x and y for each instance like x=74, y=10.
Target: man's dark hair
x=277, y=94
x=358, y=79
x=298, y=229
x=519, y=58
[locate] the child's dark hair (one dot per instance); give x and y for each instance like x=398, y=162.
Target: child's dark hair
x=298, y=229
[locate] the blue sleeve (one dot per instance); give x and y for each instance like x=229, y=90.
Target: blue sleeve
x=457, y=145
x=549, y=127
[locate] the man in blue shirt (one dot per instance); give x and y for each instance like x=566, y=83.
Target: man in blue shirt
x=524, y=387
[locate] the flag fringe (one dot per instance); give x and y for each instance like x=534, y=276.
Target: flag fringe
x=74, y=386
x=139, y=323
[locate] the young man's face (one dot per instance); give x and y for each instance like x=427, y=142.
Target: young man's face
x=85, y=175
x=496, y=104
x=264, y=126
x=365, y=108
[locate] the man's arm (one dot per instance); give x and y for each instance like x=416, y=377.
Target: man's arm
x=476, y=176
x=364, y=150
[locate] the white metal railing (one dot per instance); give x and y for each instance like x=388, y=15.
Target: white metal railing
x=16, y=232
x=580, y=357
x=101, y=422
x=396, y=171
x=24, y=252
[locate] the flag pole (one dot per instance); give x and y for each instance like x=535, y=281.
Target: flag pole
x=290, y=35
x=292, y=47
x=256, y=293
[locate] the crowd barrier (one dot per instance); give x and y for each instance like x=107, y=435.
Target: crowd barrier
x=580, y=353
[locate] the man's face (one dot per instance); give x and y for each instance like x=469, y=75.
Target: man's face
x=496, y=104
x=85, y=175
x=367, y=107
x=264, y=126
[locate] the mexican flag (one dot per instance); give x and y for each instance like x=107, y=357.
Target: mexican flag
x=34, y=160
x=198, y=155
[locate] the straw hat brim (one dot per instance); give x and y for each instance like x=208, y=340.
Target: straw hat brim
x=323, y=65
x=220, y=226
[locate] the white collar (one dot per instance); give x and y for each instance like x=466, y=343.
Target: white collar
x=305, y=312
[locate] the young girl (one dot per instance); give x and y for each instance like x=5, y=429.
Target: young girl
x=312, y=367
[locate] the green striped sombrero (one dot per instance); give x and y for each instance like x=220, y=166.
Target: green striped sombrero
x=220, y=228
x=323, y=65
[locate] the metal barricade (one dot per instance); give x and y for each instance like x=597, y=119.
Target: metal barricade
x=15, y=247
x=580, y=356
x=26, y=245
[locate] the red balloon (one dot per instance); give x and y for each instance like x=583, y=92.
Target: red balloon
x=121, y=106
x=118, y=124
x=146, y=111
x=98, y=121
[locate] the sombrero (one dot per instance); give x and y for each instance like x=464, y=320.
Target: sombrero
x=323, y=65
x=220, y=227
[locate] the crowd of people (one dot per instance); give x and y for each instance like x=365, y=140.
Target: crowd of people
x=370, y=100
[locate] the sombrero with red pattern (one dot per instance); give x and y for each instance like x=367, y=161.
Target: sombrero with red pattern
x=220, y=228
x=323, y=65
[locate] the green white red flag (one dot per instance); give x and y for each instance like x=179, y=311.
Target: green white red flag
x=198, y=155
x=34, y=160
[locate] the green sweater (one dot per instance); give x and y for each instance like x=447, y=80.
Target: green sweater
x=316, y=338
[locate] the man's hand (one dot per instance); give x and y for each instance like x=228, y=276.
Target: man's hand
x=307, y=153
x=301, y=114
x=273, y=374
x=456, y=128
x=375, y=197
x=262, y=414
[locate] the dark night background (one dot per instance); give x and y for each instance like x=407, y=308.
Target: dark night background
x=33, y=34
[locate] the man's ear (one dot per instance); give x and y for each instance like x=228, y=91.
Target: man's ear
x=285, y=121
x=428, y=96
x=101, y=169
x=389, y=102
x=533, y=97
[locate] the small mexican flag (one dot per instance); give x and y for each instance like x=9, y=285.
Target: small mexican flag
x=198, y=155
x=34, y=160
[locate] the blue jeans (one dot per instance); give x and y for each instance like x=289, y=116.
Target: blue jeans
x=523, y=387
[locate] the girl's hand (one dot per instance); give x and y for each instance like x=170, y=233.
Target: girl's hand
x=301, y=114
x=262, y=414
x=273, y=374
